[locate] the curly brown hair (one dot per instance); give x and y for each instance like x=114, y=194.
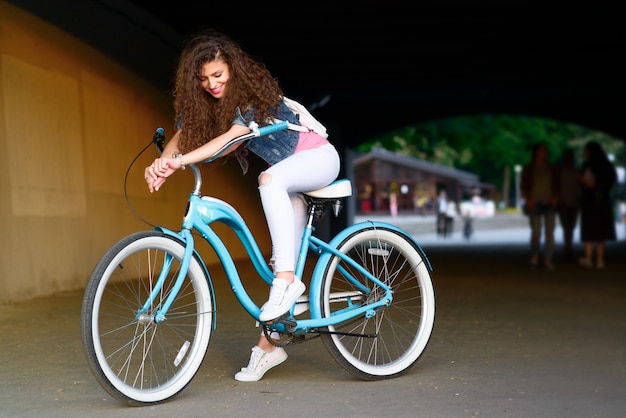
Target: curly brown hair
x=250, y=87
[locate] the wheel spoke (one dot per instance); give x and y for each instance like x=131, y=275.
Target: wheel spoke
x=402, y=329
x=133, y=358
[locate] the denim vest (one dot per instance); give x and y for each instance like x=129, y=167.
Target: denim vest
x=277, y=146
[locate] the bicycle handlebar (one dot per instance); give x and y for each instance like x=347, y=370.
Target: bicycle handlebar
x=255, y=131
x=159, y=140
x=270, y=129
x=159, y=136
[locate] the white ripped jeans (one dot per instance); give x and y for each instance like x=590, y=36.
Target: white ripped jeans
x=284, y=209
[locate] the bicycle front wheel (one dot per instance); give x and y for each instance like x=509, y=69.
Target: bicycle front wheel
x=135, y=359
x=390, y=342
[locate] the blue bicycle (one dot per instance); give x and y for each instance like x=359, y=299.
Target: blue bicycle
x=149, y=308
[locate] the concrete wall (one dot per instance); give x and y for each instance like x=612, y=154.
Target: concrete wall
x=71, y=122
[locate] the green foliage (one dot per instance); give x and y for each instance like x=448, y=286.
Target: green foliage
x=489, y=145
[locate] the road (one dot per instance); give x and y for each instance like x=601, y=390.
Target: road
x=508, y=342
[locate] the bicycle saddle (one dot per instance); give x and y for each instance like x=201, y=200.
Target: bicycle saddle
x=335, y=190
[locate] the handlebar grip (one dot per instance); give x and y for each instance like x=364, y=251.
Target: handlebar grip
x=275, y=127
x=159, y=139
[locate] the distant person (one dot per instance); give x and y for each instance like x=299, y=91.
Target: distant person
x=451, y=215
x=442, y=210
x=467, y=213
x=569, y=199
x=393, y=204
x=597, y=223
x=539, y=188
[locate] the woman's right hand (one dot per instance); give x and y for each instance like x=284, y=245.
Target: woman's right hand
x=157, y=173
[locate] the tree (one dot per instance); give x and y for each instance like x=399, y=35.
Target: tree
x=489, y=145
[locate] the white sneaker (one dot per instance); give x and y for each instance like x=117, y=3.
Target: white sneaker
x=302, y=305
x=260, y=362
x=283, y=295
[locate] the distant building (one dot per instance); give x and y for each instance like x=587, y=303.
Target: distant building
x=386, y=181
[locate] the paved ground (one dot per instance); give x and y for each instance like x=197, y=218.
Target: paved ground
x=508, y=342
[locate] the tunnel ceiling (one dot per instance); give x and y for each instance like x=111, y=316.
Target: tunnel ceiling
x=383, y=65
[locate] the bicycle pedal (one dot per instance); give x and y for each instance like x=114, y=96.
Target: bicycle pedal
x=288, y=322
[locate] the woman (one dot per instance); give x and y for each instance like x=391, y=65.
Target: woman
x=597, y=223
x=539, y=187
x=219, y=89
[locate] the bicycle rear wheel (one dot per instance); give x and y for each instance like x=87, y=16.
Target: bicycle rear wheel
x=136, y=360
x=389, y=343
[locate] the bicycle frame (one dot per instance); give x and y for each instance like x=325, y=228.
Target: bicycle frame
x=202, y=211
x=149, y=308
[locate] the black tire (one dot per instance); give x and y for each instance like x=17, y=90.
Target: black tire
x=402, y=329
x=135, y=359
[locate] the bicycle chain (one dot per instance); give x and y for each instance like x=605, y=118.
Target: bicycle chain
x=292, y=339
